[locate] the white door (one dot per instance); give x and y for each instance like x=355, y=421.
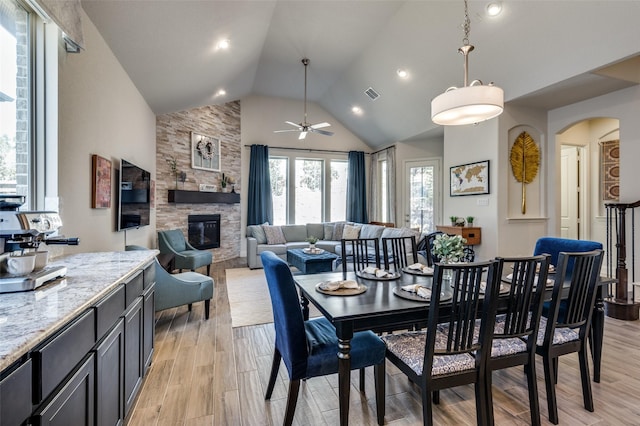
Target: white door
x=422, y=201
x=569, y=192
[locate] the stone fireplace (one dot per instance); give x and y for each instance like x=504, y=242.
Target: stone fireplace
x=204, y=230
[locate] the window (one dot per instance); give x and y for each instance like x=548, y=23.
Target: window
x=383, y=188
x=315, y=193
x=15, y=98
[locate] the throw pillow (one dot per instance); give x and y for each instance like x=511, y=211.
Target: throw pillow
x=351, y=232
x=257, y=232
x=274, y=234
x=337, y=231
x=328, y=231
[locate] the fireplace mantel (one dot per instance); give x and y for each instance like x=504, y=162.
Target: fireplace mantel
x=201, y=197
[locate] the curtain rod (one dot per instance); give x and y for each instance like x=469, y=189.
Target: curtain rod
x=307, y=149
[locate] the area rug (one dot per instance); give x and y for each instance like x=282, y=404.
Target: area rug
x=249, y=297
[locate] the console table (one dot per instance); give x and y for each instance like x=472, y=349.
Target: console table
x=470, y=233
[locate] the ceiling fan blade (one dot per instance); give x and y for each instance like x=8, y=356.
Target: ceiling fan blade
x=286, y=131
x=294, y=124
x=322, y=132
x=302, y=135
x=320, y=125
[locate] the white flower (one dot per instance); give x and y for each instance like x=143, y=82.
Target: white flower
x=449, y=248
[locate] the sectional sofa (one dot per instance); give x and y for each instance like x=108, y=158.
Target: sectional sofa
x=279, y=239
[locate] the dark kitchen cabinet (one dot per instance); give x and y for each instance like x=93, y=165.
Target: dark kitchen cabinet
x=15, y=395
x=133, y=364
x=110, y=377
x=148, y=330
x=72, y=404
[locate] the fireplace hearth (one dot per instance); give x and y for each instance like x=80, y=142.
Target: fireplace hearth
x=204, y=230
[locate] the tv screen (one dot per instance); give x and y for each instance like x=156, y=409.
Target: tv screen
x=134, y=207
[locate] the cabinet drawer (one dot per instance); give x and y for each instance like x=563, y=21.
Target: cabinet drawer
x=54, y=360
x=108, y=310
x=149, y=274
x=15, y=396
x=133, y=288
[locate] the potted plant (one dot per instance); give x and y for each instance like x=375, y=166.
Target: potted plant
x=449, y=248
x=224, y=181
x=173, y=165
x=312, y=240
x=460, y=221
x=470, y=220
x=453, y=220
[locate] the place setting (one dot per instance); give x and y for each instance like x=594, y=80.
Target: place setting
x=372, y=273
x=418, y=293
x=341, y=288
x=418, y=269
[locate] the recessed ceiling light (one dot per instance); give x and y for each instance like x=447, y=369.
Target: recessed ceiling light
x=356, y=110
x=494, y=8
x=220, y=92
x=402, y=73
x=223, y=44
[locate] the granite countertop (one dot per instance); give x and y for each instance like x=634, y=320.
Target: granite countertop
x=28, y=318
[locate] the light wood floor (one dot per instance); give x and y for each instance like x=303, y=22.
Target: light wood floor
x=206, y=373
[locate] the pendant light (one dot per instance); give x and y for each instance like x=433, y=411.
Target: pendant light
x=471, y=103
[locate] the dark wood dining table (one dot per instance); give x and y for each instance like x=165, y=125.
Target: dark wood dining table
x=379, y=308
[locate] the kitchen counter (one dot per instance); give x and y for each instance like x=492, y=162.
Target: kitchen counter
x=28, y=318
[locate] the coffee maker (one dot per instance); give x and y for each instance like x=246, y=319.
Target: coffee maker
x=22, y=231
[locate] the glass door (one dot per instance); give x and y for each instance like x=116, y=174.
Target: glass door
x=422, y=195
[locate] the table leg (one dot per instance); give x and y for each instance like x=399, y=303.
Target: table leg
x=344, y=333
x=597, y=335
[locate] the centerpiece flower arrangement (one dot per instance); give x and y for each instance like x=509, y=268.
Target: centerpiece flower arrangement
x=312, y=240
x=449, y=248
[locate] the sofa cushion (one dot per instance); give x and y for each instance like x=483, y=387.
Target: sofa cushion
x=279, y=249
x=371, y=231
x=316, y=230
x=328, y=231
x=294, y=232
x=274, y=234
x=257, y=232
x=399, y=232
x=351, y=232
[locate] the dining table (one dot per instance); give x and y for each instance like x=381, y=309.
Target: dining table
x=382, y=305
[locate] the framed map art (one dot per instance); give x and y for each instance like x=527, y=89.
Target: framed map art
x=470, y=179
x=205, y=152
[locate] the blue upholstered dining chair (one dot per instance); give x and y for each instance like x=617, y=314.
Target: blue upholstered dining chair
x=309, y=348
x=563, y=334
x=555, y=245
x=185, y=255
x=185, y=288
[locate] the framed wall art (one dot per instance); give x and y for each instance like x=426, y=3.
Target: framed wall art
x=470, y=179
x=205, y=152
x=101, y=182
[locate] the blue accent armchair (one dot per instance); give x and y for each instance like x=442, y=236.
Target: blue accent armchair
x=554, y=245
x=185, y=288
x=186, y=256
x=309, y=348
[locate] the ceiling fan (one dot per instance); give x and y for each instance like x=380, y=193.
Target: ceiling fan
x=305, y=127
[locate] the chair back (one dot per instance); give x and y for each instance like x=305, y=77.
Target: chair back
x=171, y=240
x=468, y=303
x=520, y=316
x=397, y=250
x=288, y=321
x=361, y=253
x=554, y=245
x=581, y=288
x=432, y=258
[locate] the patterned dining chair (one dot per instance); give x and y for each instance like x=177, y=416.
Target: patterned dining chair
x=448, y=354
x=517, y=323
x=309, y=348
x=567, y=333
x=399, y=252
x=360, y=253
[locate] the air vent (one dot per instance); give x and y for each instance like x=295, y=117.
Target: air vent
x=371, y=93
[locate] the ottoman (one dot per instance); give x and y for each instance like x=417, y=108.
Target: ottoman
x=309, y=263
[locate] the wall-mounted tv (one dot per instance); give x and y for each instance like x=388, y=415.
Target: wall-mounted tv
x=134, y=204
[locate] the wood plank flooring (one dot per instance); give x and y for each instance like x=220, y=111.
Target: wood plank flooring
x=207, y=373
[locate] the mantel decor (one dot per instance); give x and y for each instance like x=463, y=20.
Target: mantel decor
x=470, y=179
x=525, y=160
x=205, y=152
x=100, y=183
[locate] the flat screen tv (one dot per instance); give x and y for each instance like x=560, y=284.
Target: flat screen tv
x=134, y=204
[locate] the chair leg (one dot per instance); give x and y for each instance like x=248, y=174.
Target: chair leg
x=380, y=375
x=189, y=307
x=532, y=385
x=292, y=399
x=275, y=366
x=362, y=373
x=427, y=409
x=587, y=396
x=550, y=383
x=436, y=397
x=207, y=303
x=481, y=402
x=488, y=383
x=209, y=270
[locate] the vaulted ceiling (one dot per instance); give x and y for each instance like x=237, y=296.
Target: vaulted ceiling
x=544, y=54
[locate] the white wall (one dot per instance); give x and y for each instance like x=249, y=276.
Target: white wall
x=100, y=112
x=261, y=115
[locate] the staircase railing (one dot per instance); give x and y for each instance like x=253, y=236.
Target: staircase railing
x=621, y=302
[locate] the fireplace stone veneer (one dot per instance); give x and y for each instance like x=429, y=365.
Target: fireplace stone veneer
x=204, y=231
